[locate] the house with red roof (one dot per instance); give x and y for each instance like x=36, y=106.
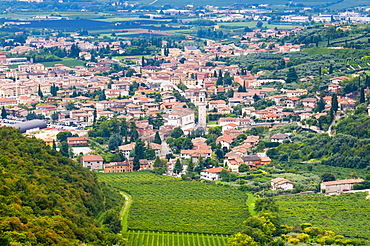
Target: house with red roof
x=212, y=173
x=92, y=162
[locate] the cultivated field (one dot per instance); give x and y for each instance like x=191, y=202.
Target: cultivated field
x=162, y=203
x=148, y=238
x=345, y=214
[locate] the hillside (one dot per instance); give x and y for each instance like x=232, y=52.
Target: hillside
x=47, y=199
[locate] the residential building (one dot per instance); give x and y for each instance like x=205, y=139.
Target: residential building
x=281, y=184
x=92, y=162
x=212, y=173
x=339, y=185
x=76, y=141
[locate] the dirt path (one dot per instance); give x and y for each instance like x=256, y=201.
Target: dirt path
x=124, y=211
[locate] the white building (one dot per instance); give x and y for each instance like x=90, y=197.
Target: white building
x=281, y=184
x=339, y=185
x=211, y=173
x=183, y=118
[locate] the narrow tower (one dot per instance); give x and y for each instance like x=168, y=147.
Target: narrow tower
x=202, y=124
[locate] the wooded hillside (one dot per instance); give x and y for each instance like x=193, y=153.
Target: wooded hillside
x=47, y=199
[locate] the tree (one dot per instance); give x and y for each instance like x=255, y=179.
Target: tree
x=64, y=149
x=177, y=132
x=114, y=141
x=327, y=177
x=259, y=24
x=136, y=163
x=139, y=150
x=243, y=168
x=156, y=121
x=4, y=114
x=291, y=75
x=186, y=144
x=39, y=92
x=320, y=105
x=241, y=239
x=334, y=103
x=330, y=68
x=224, y=174
x=62, y=136
x=265, y=205
x=55, y=116
x=157, y=138
x=191, y=166
x=362, y=95
x=178, y=167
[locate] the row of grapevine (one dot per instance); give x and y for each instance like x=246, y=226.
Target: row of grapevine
x=162, y=203
x=345, y=214
x=149, y=238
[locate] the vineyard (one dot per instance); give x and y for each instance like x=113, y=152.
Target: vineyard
x=346, y=214
x=148, y=238
x=162, y=203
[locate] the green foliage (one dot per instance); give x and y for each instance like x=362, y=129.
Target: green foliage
x=265, y=204
x=330, y=212
x=357, y=125
x=46, y=199
x=177, y=132
x=327, y=177
x=340, y=150
x=162, y=203
x=157, y=138
x=178, y=166
x=291, y=75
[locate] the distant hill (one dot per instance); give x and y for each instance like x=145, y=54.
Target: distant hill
x=47, y=199
x=227, y=3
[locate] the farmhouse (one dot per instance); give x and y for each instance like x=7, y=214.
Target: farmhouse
x=281, y=184
x=212, y=173
x=339, y=185
x=279, y=137
x=92, y=162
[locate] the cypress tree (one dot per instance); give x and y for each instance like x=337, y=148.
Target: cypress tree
x=178, y=167
x=362, y=95
x=157, y=138
x=4, y=114
x=334, y=103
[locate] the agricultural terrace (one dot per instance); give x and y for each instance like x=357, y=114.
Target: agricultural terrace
x=345, y=214
x=150, y=238
x=162, y=203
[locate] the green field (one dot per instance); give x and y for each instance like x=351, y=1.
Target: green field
x=69, y=62
x=162, y=203
x=149, y=238
x=345, y=214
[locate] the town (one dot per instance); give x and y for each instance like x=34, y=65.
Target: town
x=202, y=111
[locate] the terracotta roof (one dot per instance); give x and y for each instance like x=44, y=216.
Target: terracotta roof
x=280, y=181
x=214, y=170
x=343, y=181
x=92, y=158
